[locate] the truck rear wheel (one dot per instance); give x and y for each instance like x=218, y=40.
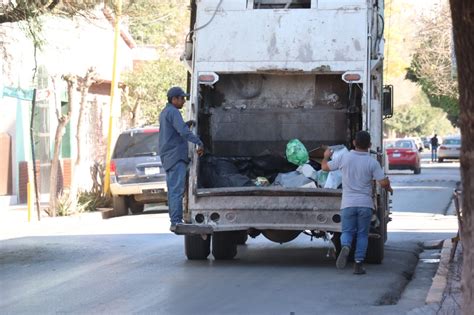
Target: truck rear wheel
x=336, y=240
x=376, y=246
x=241, y=237
x=224, y=245
x=375, y=250
x=120, y=206
x=196, y=248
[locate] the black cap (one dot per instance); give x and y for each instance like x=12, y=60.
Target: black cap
x=176, y=91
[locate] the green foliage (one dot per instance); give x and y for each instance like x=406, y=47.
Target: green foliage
x=159, y=23
x=151, y=82
x=163, y=24
x=91, y=201
x=419, y=119
x=64, y=206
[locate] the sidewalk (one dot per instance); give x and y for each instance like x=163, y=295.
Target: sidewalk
x=445, y=297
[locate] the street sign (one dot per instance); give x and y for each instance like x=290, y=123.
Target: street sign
x=18, y=93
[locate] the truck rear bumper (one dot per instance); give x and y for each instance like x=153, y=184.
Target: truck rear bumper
x=138, y=188
x=237, y=220
x=182, y=229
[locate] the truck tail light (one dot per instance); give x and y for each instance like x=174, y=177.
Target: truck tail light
x=113, y=167
x=351, y=77
x=208, y=78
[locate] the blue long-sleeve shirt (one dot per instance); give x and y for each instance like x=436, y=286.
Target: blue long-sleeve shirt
x=173, y=137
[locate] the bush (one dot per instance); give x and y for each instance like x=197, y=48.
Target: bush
x=63, y=206
x=90, y=200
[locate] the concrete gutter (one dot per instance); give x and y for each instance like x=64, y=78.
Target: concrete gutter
x=440, y=280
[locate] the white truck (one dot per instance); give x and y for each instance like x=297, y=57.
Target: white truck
x=263, y=72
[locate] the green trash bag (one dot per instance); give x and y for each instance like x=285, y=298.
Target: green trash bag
x=296, y=152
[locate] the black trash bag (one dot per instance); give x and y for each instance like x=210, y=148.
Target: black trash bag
x=221, y=172
x=270, y=166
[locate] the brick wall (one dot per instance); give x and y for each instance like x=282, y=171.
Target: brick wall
x=67, y=171
x=64, y=177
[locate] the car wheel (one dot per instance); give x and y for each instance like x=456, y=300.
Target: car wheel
x=440, y=160
x=417, y=170
x=135, y=207
x=120, y=206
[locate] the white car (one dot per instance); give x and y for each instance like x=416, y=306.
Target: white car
x=450, y=148
x=418, y=142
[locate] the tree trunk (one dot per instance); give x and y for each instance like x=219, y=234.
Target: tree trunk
x=84, y=84
x=62, y=122
x=463, y=29
x=132, y=110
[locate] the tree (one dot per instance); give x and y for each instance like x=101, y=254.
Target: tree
x=148, y=85
x=462, y=12
x=162, y=24
x=84, y=84
x=419, y=120
x=23, y=10
x=63, y=120
x=431, y=65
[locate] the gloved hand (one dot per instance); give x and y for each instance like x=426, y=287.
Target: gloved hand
x=190, y=123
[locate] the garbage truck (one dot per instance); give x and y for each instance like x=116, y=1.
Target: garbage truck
x=262, y=73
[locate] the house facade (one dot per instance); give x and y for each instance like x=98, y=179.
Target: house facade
x=71, y=47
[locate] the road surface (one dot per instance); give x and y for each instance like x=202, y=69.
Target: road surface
x=86, y=265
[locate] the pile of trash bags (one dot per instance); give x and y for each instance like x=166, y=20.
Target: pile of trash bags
x=299, y=169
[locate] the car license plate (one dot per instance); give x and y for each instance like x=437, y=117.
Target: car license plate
x=152, y=170
x=396, y=155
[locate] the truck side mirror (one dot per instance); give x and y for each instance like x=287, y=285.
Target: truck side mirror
x=387, y=101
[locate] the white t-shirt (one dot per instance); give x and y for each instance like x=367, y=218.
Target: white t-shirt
x=358, y=170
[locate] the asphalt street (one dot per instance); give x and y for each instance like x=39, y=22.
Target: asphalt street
x=86, y=265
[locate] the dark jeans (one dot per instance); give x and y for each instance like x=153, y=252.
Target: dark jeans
x=176, y=182
x=356, y=221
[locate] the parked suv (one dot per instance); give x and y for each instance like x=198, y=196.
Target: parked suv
x=136, y=173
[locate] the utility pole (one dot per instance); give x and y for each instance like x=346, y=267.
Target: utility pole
x=113, y=89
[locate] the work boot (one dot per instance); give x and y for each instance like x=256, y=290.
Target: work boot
x=359, y=268
x=173, y=226
x=342, y=258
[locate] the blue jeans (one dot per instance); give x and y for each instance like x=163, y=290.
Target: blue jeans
x=434, y=154
x=356, y=221
x=176, y=182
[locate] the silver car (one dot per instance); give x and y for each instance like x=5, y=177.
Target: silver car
x=450, y=148
x=136, y=173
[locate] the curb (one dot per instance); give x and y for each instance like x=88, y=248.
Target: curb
x=440, y=280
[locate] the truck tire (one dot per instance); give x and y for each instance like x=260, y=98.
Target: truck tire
x=135, y=207
x=376, y=246
x=224, y=245
x=196, y=248
x=336, y=240
x=241, y=237
x=120, y=206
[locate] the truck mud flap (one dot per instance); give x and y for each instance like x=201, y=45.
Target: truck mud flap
x=183, y=229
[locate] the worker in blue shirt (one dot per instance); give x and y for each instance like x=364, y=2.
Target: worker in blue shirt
x=174, y=136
